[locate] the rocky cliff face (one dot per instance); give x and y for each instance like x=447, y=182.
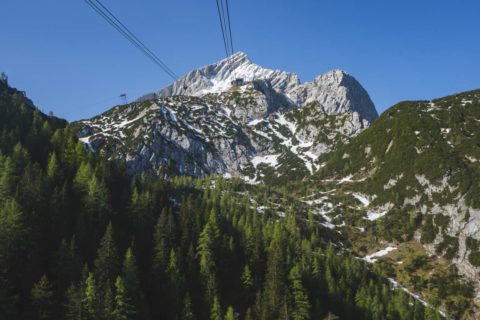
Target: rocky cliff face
x=234, y=118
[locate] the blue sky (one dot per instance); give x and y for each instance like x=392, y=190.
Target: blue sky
x=73, y=63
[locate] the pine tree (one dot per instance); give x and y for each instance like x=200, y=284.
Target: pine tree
x=230, y=315
x=247, y=283
x=83, y=177
x=130, y=273
x=52, y=168
x=74, y=305
x=108, y=302
x=161, y=244
x=207, y=245
x=301, y=309
x=216, y=312
x=107, y=261
x=97, y=199
x=6, y=179
x=90, y=303
x=67, y=267
x=124, y=310
x=187, y=311
x=274, y=295
x=12, y=250
x=175, y=281
x=42, y=298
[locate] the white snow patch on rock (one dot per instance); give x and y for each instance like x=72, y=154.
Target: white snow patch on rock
x=362, y=198
x=374, y=256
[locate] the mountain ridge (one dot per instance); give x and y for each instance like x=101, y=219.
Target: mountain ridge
x=279, y=122
x=218, y=77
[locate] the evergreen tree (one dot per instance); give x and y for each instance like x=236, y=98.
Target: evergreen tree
x=207, y=245
x=67, y=267
x=175, y=280
x=216, y=312
x=187, y=311
x=83, y=177
x=248, y=289
x=90, y=302
x=107, y=261
x=97, y=199
x=274, y=294
x=42, y=298
x=74, y=303
x=161, y=244
x=6, y=179
x=301, y=309
x=124, y=310
x=52, y=169
x=130, y=274
x=230, y=315
x=107, y=303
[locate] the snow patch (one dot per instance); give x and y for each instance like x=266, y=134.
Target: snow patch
x=374, y=215
x=362, y=198
x=374, y=256
x=389, y=146
x=271, y=160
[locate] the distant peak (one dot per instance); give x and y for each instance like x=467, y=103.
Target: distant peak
x=237, y=58
x=332, y=76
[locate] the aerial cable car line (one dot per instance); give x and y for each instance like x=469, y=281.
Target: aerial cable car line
x=225, y=27
x=222, y=26
x=123, y=30
x=120, y=27
x=229, y=27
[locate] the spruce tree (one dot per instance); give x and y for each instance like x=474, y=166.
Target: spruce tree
x=275, y=286
x=42, y=298
x=130, y=274
x=74, y=303
x=230, y=314
x=107, y=302
x=187, y=311
x=124, y=310
x=52, y=168
x=90, y=302
x=83, y=177
x=207, y=245
x=216, y=312
x=301, y=304
x=107, y=261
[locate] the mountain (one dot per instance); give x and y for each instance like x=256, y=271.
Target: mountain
x=82, y=239
x=410, y=182
x=234, y=118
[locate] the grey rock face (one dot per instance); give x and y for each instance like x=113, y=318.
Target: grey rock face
x=233, y=117
x=336, y=91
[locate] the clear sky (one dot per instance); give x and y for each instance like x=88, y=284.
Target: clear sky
x=71, y=62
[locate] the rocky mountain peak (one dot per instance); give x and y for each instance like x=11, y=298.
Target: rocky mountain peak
x=336, y=91
x=237, y=118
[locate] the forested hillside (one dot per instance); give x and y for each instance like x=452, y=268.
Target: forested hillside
x=79, y=239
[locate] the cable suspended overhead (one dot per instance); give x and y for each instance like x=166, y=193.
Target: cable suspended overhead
x=225, y=25
x=106, y=14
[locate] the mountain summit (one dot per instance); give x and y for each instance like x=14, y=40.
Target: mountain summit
x=337, y=91
x=236, y=118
